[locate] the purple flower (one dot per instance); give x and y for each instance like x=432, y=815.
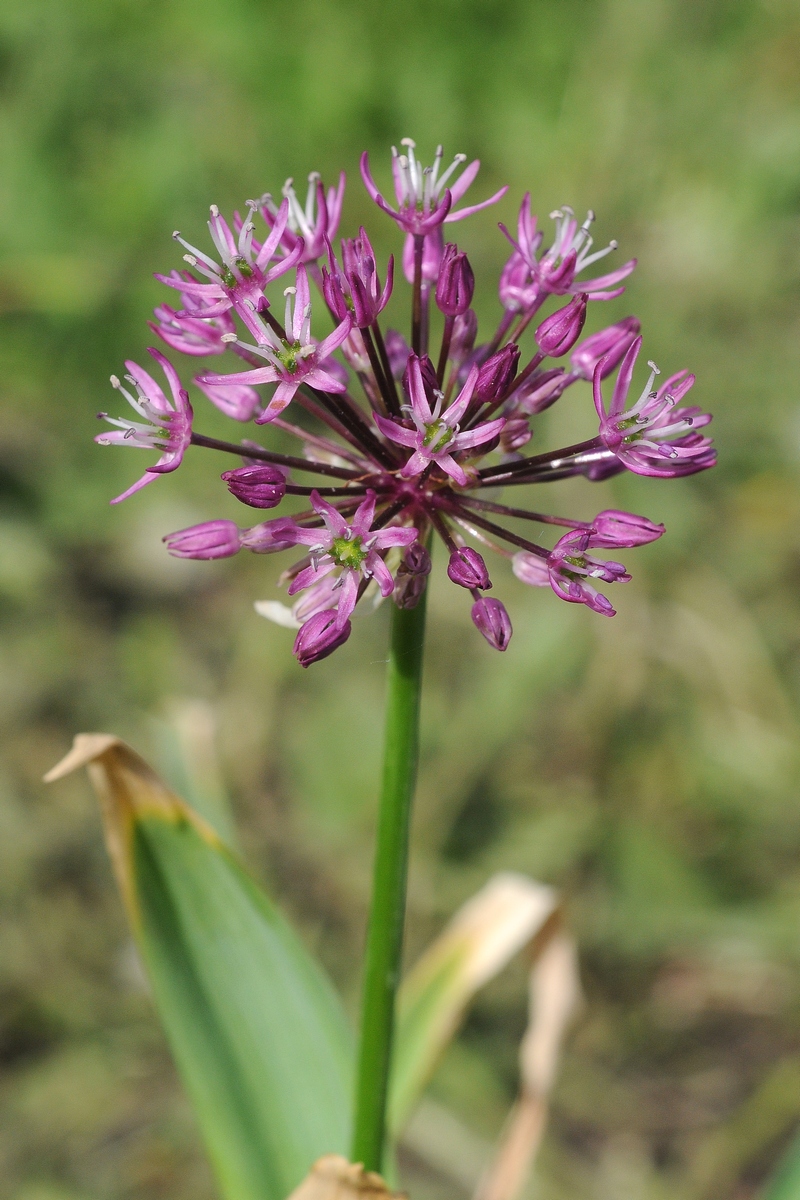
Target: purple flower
x=262, y=486
x=239, y=280
x=456, y=283
x=211, y=539
x=356, y=288
x=436, y=437
x=496, y=374
x=555, y=272
x=467, y=568
x=398, y=351
x=613, y=528
x=190, y=331
x=411, y=576
x=531, y=568
x=654, y=436
x=538, y=391
x=571, y=568
x=559, y=332
x=319, y=636
x=352, y=550
x=167, y=427
x=307, y=228
x=490, y=617
x=292, y=360
x=610, y=345
x=424, y=200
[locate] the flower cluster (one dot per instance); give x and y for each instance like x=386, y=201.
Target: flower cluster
x=439, y=434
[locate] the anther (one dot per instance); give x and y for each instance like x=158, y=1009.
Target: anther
x=115, y=381
x=176, y=233
x=214, y=210
x=229, y=337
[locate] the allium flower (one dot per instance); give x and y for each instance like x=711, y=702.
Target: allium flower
x=424, y=199
x=307, y=227
x=167, y=424
x=353, y=551
x=437, y=435
x=239, y=280
x=443, y=427
x=653, y=436
x=293, y=359
x=555, y=272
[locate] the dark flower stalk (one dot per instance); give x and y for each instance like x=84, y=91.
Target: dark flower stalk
x=423, y=456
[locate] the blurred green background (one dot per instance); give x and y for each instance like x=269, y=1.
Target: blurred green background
x=647, y=765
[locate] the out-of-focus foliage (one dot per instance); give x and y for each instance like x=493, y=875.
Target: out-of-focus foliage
x=647, y=766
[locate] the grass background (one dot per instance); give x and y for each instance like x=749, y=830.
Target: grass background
x=647, y=765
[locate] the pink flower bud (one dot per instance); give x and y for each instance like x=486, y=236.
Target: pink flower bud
x=611, y=345
x=615, y=528
x=491, y=618
x=531, y=569
x=319, y=637
x=260, y=487
x=456, y=283
x=467, y=569
x=211, y=539
x=270, y=536
x=497, y=373
x=465, y=330
x=397, y=350
x=539, y=391
x=559, y=332
x=516, y=434
x=411, y=577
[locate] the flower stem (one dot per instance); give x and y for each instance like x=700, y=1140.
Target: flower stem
x=385, y=932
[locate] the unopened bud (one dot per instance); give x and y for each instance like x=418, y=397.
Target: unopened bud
x=456, y=283
x=397, y=351
x=497, y=373
x=211, y=539
x=490, y=617
x=270, y=536
x=539, y=391
x=260, y=487
x=467, y=568
x=559, y=332
x=319, y=637
x=531, y=569
x=611, y=345
x=465, y=330
x=516, y=433
x=411, y=576
x=614, y=528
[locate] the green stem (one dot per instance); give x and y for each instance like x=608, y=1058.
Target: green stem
x=385, y=933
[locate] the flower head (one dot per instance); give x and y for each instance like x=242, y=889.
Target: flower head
x=292, y=359
x=239, y=279
x=166, y=425
x=437, y=444
x=436, y=435
x=425, y=198
x=655, y=436
x=310, y=226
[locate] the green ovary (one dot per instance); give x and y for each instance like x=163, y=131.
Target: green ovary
x=346, y=553
x=437, y=436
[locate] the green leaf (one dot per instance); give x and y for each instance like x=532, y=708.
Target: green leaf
x=257, y=1031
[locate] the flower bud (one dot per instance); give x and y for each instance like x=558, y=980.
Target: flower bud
x=559, y=332
x=270, y=536
x=397, y=351
x=319, y=637
x=260, y=487
x=429, y=380
x=467, y=569
x=497, y=373
x=539, y=391
x=361, y=273
x=531, y=569
x=491, y=618
x=211, y=539
x=456, y=283
x=333, y=292
x=611, y=345
x=411, y=576
x=465, y=330
x=615, y=528
x=237, y=400
x=516, y=433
